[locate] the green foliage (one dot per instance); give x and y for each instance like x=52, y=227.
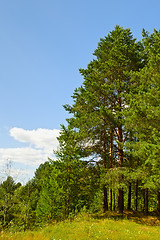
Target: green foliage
x=68, y=188
x=8, y=201
x=143, y=115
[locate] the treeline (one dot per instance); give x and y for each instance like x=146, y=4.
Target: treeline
x=109, y=152
x=58, y=190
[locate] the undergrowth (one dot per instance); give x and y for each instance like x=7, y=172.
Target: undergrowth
x=98, y=226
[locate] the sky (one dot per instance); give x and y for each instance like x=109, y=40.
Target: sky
x=43, y=44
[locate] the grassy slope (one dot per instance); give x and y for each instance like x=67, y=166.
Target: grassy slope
x=96, y=227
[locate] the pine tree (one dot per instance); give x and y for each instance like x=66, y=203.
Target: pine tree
x=143, y=116
x=99, y=102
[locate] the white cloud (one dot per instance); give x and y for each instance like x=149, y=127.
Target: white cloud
x=39, y=138
x=27, y=156
x=41, y=143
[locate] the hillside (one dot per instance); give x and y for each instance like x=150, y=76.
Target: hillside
x=128, y=226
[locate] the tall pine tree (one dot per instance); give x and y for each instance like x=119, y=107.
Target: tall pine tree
x=99, y=103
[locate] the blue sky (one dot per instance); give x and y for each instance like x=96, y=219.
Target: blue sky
x=43, y=43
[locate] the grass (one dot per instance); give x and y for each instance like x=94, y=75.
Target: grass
x=102, y=227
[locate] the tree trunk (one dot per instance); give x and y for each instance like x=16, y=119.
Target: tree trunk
x=120, y=200
x=120, y=148
x=158, y=202
x=120, y=158
x=4, y=218
x=105, y=196
x=129, y=197
x=114, y=201
x=105, y=199
x=146, y=200
x=111, y=146
x=136, y=195
x=111, y=161
x=110, y=199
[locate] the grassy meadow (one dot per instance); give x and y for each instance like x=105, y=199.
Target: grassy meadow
x=101, y=227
